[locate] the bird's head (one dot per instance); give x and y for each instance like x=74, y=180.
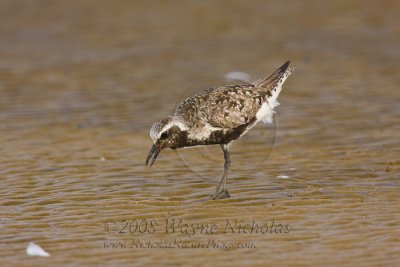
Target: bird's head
x=166, y=133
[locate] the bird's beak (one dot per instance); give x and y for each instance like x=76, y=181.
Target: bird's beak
x=154, y=151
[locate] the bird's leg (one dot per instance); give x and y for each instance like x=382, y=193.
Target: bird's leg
x=223, y=193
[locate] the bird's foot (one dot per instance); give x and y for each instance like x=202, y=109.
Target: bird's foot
x=222, y=194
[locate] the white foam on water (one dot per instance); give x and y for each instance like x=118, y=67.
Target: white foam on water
x=237, y=76
x=283, y=177
x=35, y=250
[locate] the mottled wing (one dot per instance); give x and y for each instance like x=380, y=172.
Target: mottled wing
x=232, y=106
x=221, y=107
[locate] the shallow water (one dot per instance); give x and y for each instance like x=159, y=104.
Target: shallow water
x=81, y=83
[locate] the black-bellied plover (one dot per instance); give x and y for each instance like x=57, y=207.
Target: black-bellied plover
x=219, y=115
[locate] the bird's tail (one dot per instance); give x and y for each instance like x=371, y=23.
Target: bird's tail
x=271, y=86
x=276, y=78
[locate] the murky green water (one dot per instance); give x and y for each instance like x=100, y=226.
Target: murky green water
x=81, y=82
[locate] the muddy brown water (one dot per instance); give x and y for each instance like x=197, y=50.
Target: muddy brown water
x=81, y=82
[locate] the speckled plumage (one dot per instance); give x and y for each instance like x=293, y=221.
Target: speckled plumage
x=219, y=115
x=221, y=107
x=228, y=107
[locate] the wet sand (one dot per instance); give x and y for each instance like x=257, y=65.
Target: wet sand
x=81, y=83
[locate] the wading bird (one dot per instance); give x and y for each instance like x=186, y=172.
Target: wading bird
x=219, y=115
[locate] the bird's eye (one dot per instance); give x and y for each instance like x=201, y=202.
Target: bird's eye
x=164, y=135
